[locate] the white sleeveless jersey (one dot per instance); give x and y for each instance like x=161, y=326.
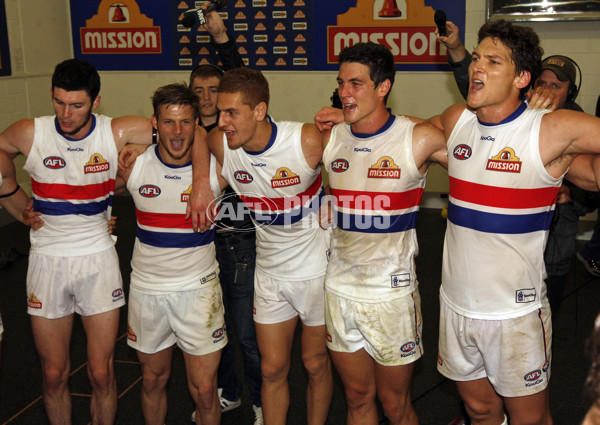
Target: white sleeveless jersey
x=73, y=184
x=282, y=193
x=377, y=190
x=168, y=255
x=500, y=210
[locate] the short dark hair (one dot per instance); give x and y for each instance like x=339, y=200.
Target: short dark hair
x=205, y=71
x=523, y=42
x=174, y=94
x=378, y=58
x=252, y=85
x=77, y=74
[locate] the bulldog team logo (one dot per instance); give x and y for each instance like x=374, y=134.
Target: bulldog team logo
x=96, y=164
x=284, y=177
x=506, y=161
x=384, y=168
x=185, y=196
x=33, y=302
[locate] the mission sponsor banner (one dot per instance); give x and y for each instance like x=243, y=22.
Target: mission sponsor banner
x=270, y=34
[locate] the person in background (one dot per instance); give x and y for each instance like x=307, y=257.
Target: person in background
x=235, y=240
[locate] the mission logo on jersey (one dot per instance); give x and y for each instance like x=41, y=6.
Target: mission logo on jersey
x=284, y=177
x=384, y=168
x=185, y=196
x=96, y=164
x=506, y=160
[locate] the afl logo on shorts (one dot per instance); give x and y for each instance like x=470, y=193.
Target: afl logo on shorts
x=532, y=376
x=462, y=152
x=149, y=191
x=218, y=333
x=117, y=294
x=339, y=165
x=243, y=177
x=408, y=347
x=54, y=162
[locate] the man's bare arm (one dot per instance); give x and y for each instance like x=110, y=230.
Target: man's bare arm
x=131, y=129
x=17, y=138
x=201, y=197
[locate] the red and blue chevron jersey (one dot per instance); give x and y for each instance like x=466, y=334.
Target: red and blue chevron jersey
x=73, y=185
x=283, y=195
x=168, y=255
x=377, y=190
x=500, y=210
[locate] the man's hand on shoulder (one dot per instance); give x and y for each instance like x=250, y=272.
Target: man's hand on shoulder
x=327, y=117
x=541, y=98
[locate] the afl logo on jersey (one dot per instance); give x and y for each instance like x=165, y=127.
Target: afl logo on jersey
x=54, y=162
x=149, y=191
x=243, y=177
x=339, y=165
x=462, y=152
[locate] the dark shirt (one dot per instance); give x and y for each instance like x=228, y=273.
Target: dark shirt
x=231, y=204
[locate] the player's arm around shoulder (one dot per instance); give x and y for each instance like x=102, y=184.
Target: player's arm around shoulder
x=563, y=135
x=202, y=197
x=18, y=138
x=214, y=141
x=429, y=145
x=312, y=145
x=131, y=129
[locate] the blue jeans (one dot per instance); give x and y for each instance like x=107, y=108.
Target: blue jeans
x=237, y=253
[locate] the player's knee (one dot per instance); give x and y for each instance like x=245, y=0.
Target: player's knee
x=101, y=377
x=206, y=395
x=395, y=408
x=55, y=378
x=317, y=364
x=152, y=382
x=359, y=396
x=273, y=370
x=481, y=411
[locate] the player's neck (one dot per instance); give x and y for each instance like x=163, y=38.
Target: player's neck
x=372, y=122
x=261, y=137
x=494, y=114
x=208, y=120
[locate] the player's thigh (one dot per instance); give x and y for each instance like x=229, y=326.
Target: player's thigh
x=52, y=338
x=101, y=331
x=202, y=370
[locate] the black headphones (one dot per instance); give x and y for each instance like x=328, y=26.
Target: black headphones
x=573, y=88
